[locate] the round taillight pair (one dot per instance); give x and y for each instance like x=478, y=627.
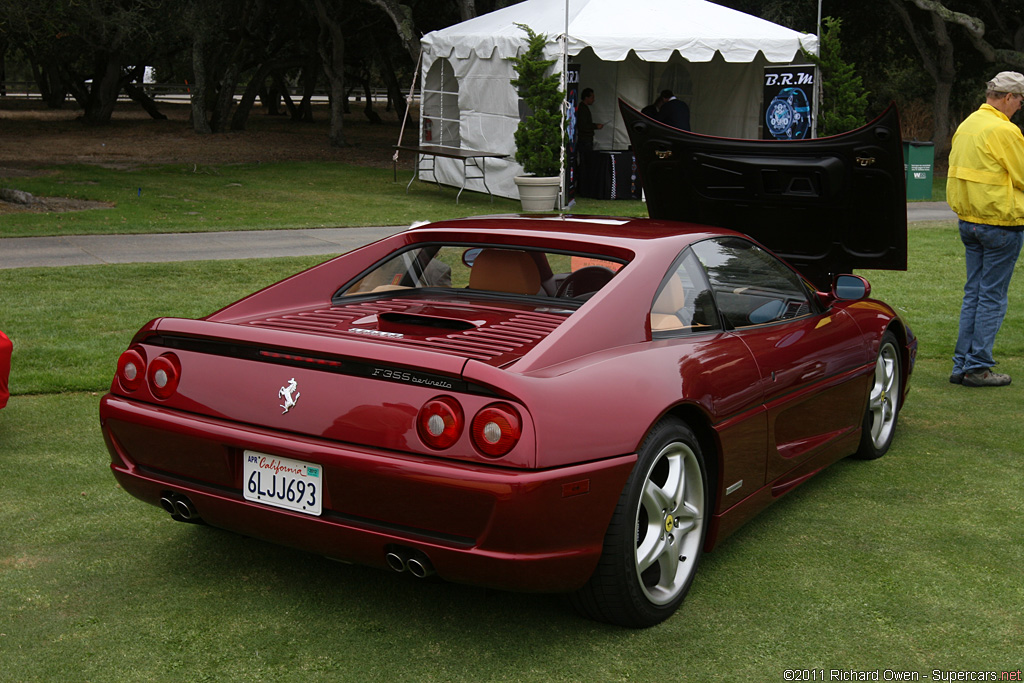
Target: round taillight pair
x=495, y=430
x=162, y=374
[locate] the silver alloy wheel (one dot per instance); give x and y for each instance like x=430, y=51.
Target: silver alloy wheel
x=669, y=524
x=885, y=394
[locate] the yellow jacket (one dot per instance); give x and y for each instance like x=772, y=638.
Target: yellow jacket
x=986, y=170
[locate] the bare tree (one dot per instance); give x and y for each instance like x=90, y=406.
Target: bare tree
x=401, y=15
x=467, y=9
x=936, y=50
x=975, y=27
x=331, y=45
x=935, y=47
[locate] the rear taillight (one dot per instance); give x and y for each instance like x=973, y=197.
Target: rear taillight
x=131, y=370
x=440, y=422
x=163, y=375
x=496, y=429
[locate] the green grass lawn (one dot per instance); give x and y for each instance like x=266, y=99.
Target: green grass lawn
x=186, y=198
x=912, y=562
x=260, y=196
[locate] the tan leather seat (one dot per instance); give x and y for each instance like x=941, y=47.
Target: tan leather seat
x=505, y=270
x=671, y=299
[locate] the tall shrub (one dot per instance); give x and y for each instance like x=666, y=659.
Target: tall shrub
x=539, y=135
x=843, y=98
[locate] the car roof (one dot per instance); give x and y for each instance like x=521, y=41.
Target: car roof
x=602, y=232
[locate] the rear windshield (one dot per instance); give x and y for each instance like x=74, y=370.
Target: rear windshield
x=500, y=270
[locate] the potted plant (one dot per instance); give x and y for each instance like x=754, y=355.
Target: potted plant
x=539, y=134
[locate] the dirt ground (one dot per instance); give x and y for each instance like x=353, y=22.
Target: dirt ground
x=33, y=137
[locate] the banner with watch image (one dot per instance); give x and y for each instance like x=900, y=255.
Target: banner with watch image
x=572, y=96
x=786, y=107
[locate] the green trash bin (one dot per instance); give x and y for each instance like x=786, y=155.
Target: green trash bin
x=919, y=163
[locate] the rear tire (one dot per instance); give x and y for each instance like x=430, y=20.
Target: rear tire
x=656, y=536
x=883, y=401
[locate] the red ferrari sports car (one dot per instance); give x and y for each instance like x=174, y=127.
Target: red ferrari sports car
x=545, y=403
x=5, y=368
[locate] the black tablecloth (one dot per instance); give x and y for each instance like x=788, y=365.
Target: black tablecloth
x=607, y=174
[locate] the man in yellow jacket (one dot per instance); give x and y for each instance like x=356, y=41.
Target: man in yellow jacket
x=985, y=188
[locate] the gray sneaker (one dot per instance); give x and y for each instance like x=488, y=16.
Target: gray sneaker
x=986, y=378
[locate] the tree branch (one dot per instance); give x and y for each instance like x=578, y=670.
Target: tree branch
x=975, y=28
x=401, y=15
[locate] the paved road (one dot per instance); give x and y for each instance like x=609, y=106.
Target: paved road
x=84, y=250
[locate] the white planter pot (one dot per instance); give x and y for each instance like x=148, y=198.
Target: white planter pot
x=538, y=193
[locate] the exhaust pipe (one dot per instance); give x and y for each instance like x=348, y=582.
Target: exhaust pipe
x=167, y=503
x=420, y=566
x=397, y=560
x=185, y=509
x=179, y=507
x=402, y=559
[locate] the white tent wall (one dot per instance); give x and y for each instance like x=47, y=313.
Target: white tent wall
x=489, y=115
x=709, y=56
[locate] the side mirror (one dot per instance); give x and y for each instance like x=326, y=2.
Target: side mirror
x=469, y=256
x=850, y=287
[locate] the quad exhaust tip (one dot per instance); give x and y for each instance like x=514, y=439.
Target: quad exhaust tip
x=179, y=507
x=416, y=562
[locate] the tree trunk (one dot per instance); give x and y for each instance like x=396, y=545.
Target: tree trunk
x=3, y=68
x=331, y=45
x=937, y=59
x=51, y=89
x=282, y=87
x=145, y=101
x=221, y=116
x=106, y=86
x=396, y=96
x=309, y=74
x=467, y=9
x=252, y=89
x=200, y=122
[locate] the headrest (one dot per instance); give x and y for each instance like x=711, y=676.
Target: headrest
x=505, y=270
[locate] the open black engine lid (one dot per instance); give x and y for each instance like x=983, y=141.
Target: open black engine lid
x=827, y=205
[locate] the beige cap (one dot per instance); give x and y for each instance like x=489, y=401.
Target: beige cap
x=1007, y=81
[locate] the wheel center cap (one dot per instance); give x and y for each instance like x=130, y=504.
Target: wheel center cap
x=670, y=522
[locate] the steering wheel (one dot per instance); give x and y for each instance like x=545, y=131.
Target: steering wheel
x=586, y=280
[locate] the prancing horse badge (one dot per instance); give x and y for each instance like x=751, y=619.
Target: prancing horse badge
x=289, y=392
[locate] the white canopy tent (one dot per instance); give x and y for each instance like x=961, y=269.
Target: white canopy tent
x=710, y=56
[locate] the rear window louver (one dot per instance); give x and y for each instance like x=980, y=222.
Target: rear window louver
x=489, y=342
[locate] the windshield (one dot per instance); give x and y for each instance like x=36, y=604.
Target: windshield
x=490, y=270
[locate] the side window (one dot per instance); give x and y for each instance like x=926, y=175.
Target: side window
x=684, y=302
x=751, y=286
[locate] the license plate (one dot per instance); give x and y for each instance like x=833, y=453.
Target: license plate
x=282, y=482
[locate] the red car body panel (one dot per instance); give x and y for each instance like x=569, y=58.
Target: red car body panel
x=772, y=404
x=6, y=349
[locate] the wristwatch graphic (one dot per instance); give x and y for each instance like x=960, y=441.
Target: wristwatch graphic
x=789, y=115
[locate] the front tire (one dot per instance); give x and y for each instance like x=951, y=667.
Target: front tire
x=883, y=407
x=656, y=535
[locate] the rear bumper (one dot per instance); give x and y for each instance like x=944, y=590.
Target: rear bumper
x=500, y=527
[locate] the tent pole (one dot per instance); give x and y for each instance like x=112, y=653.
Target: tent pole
x=817, y=80
x=565, y=104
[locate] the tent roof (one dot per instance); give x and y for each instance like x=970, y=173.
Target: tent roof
x=653, y=29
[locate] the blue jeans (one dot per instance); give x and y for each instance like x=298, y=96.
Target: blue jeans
x=992, y=252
